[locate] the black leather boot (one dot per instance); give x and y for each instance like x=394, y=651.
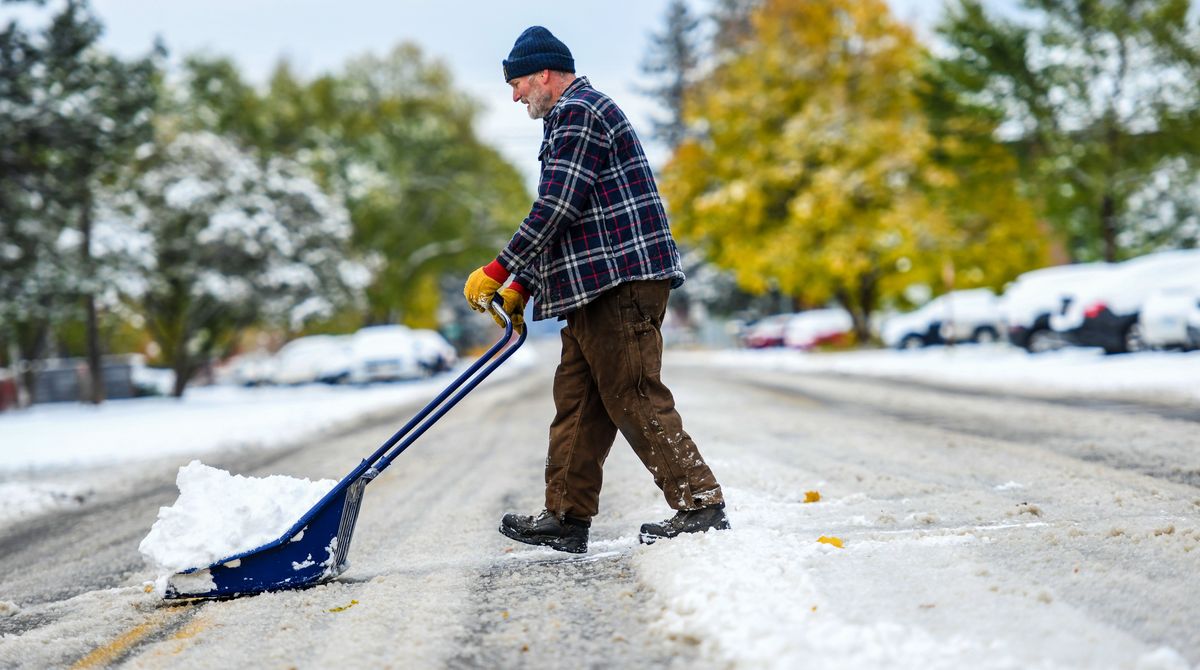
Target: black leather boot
x=686, y=521
x=547, y=530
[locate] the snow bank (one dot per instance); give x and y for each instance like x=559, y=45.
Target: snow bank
x=57, y=435
x=219, y=514
x=992, y=367
x=38, y=445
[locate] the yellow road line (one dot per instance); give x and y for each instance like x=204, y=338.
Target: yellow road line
x=110, y=652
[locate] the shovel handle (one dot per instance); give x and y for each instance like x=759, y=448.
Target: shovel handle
x=459, y=388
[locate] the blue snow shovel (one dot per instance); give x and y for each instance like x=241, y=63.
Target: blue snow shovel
x=314, y=549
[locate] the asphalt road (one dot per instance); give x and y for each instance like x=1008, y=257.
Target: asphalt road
x=432, y=584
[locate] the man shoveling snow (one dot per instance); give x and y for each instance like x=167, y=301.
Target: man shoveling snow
x=596, y=251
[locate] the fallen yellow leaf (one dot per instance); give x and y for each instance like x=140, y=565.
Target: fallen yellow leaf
x=344, y=608
x=835, y=541
x=812, y=496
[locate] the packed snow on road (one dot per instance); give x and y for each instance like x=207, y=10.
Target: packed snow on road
x=1046, y=516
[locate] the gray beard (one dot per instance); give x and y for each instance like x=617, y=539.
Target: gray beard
x=538, y=105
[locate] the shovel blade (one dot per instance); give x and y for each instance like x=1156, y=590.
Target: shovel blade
x=303, y=557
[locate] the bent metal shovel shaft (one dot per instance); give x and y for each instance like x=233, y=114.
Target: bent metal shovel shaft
x=314, y=549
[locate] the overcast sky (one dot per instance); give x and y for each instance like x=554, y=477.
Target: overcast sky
x=608, y=40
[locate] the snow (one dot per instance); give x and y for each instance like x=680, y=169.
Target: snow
x=751, y=599
x=25, y=499
x=206, y=419
x=38, y=444
x=766, y=594
x=219, y=514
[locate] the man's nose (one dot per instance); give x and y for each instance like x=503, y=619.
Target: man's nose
x=516, y=95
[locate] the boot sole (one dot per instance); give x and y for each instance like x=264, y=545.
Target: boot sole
x=650, y=538
x=555, y=543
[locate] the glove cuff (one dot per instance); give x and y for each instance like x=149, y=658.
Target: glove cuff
x=496, y=271
x=516, y=286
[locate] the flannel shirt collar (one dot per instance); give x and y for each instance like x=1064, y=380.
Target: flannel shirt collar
x=580, y=82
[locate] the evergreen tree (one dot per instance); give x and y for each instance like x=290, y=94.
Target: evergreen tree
x=732, y=25
x=672, y=59
x=73, y=114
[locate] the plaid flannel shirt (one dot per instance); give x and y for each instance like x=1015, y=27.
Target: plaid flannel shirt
x=598, y=220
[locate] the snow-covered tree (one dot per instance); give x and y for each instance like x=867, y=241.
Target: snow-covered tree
x=210, y=241
x=392, y=133
x=70, y=115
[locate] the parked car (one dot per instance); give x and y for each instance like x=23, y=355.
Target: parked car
x=1163, y=318
x=1029, y=302
x=253, y=368
x=384, y=353
x=314, y=358
x=433, y=351
x=1193, y=325
x=765, y=332
x=1105, y=313
x=971, y=315
x=815, y=327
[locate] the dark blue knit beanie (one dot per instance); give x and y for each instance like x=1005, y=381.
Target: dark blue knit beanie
x=536, y=50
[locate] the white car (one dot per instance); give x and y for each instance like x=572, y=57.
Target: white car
x=1163, y=318
x=816, y=327
x=971, y=315
x=1193, y=325
x=384, y=353
x=434, y=352
x=251, y=369
x=1031, y=299
x=1105, y=313
x=315, y=358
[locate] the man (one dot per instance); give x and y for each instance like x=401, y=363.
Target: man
x=596, y=251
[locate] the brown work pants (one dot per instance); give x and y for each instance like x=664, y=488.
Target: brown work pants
x=608, y=380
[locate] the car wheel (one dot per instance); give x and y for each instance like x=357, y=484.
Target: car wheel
x=912, y=341
x=1041, y=340
x=985, y=335
x=1133, y=338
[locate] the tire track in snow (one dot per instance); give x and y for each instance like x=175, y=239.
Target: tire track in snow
x=585, y=612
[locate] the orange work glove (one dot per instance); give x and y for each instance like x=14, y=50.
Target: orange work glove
x=514, y=297
x=483, y=284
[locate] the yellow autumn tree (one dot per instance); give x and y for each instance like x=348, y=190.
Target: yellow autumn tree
x=815, y=170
